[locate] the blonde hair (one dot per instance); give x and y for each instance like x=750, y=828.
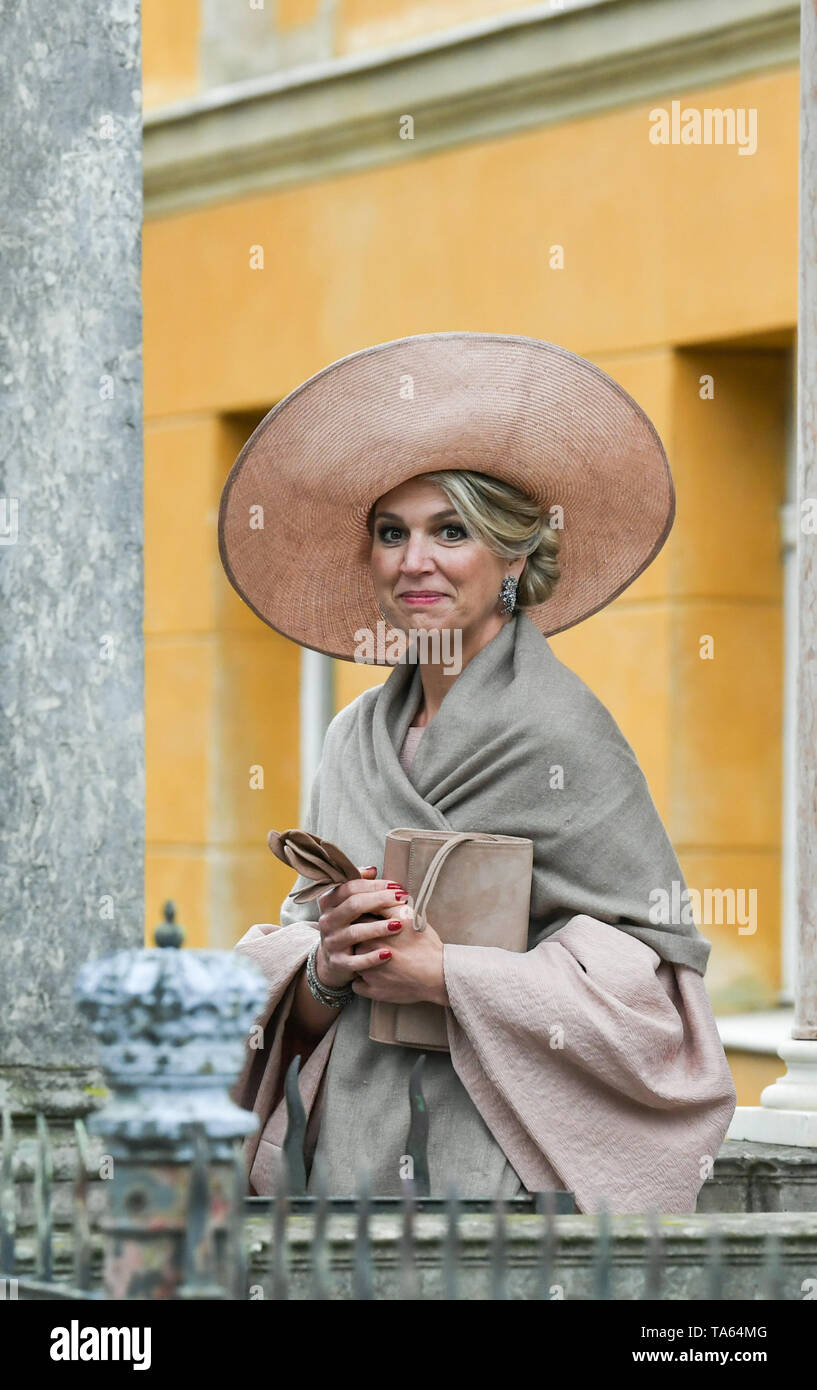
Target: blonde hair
x=509, y=523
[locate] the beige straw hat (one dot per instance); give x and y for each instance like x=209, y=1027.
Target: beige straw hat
x=292, y=522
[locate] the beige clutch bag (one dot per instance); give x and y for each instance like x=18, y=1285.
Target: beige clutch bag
x=474, y=889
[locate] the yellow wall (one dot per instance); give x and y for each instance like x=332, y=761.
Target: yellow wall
x=663, y=246
x=221, y=699
x=170, y=59
x=675, y=258
x=752, y=1072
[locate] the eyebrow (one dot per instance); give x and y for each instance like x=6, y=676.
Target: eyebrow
x=436, y=516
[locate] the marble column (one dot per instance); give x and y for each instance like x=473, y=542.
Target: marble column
x=805, y=1021
x=71, y=651
x=788, y=1110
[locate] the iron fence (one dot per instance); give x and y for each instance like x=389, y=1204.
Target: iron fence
x=227, y=1245
x=163, y=1212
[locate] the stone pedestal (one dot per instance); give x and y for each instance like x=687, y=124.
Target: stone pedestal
x=787, y=1113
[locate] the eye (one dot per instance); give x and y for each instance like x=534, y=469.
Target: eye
x=387, y=533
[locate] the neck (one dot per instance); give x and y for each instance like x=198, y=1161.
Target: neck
x=436, y=683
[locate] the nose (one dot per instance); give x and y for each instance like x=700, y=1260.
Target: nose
x=416, y=557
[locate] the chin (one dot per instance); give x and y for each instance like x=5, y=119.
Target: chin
x=432, y=622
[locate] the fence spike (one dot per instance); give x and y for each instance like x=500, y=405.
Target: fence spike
x=81, y=1222
x=363, y=1259
x=603, y=1253
x=42, y=1199
x=451, y=1248
x=199, y=1256
x=655, y=1256
x=295, y=1137
x=236, y=1253
x=320, y=1244
x=8, y=1203
x=499, y=1288
x=546, y=1201
x=279, y=1262
x=417, y=1142
x=409, y=1280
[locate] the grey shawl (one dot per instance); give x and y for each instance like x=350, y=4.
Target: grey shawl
x=519, y=746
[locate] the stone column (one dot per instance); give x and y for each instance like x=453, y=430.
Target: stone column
x=805, y=1021
x=788, y=1110
x=71, y=661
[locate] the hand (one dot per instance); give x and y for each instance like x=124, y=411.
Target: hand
x=349, y=942
x=414, y=973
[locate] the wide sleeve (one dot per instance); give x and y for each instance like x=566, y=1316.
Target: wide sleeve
x=280, y=951
x=594, y=1054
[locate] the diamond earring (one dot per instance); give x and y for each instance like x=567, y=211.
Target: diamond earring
x=507, y=593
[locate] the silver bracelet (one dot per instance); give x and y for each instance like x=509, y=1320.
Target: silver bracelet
x=327, y=989
x=325, y=994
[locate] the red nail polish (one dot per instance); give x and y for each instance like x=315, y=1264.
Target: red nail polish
x=396, y=885
x=394, y=926
x=385, y=955
x=401, y=897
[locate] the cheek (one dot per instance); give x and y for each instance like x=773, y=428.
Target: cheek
x=474, y=578
x=382, y=562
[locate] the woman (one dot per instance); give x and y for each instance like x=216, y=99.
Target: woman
x=501, y=489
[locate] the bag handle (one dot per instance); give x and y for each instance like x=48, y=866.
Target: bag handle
x=432, y=873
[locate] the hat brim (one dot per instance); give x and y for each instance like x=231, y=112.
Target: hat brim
x=292, y=522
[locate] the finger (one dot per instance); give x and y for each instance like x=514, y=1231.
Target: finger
x=341, y=892
x=364, y=960
x=359, y=905
x=379, y=900
x=332, y=897
x=357, y=935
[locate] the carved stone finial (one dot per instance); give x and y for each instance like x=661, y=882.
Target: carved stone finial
x=168, y=932
x=172, y=1028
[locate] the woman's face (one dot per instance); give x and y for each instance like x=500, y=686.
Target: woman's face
x=428, y=571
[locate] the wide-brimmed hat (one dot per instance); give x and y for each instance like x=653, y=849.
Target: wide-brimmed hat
x=292, y=522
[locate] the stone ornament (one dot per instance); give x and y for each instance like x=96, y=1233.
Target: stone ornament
x=172, y=1028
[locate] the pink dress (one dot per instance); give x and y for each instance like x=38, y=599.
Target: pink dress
x=410, y=744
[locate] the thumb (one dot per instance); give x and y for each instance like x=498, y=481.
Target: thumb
x=369, y=872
